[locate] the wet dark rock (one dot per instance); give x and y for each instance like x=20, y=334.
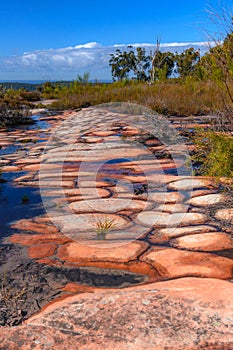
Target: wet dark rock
x=27, y=286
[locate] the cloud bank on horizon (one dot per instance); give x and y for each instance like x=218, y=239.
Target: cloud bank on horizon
x=66, y=63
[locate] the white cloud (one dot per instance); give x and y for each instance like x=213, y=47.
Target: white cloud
x=67, y=62
x=90, y=45
x=175, y=45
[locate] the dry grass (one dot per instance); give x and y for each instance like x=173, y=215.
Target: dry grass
x=103, y=228
x=171, y=97
x=10, y=293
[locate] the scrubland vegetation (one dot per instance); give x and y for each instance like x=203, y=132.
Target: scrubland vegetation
x=184, y=84
x=172, y=84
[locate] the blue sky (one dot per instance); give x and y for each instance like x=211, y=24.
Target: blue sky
x=40, y=28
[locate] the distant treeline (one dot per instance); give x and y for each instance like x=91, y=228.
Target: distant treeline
x=31, y=86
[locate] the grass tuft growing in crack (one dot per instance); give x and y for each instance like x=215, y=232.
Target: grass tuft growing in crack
x=104, y=227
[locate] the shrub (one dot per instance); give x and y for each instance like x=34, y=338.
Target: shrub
x=30, y=96
x=13, y=113
x=214, y=151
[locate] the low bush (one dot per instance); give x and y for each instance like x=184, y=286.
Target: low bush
x=30, y=96
x=12, y=114
x=214, y=152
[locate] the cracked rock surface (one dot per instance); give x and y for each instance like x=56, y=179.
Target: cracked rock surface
x=171, y=236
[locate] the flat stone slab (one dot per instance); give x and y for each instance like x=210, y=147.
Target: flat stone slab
x=32, y=167
x=212, y=241
x=225, y=214
x=56, y=183
x=109, y=205
x=42, y=250
x=53, y=175
x=173, y=208
x=28, y=161
x=10, y=168
x=188, y=184
x=169, y=233
x=209, y=199
x=185, y=313
x=155, y=218
x=30, y=225
x=87, y=222
x=91, y=184
x=103, y=133
x=29, y=239
x=94, y=155
x=198, y=193
x=84, y=193
x=173, y=263
x=76, y=252
x=166, y=197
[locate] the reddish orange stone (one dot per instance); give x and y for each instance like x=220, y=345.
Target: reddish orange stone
x=29, y=225
x=30, y=239
x=42, y=250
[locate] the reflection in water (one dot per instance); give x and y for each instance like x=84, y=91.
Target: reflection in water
x=12, y=207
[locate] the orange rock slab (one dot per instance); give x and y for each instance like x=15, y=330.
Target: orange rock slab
x=174, y=263
x=29, y=225
x=43, y=250
x=182, y=314
x=30, y=239
x=212, y=241
x=76, y=252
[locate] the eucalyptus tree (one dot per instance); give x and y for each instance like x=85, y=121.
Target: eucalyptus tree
x=162, y=65
x=121, y=64
x=142, y=64
x=130, y=64
x=187, y=61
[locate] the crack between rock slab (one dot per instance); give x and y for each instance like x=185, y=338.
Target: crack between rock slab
x=138, y=259
x=115, y=267
x=211, y=252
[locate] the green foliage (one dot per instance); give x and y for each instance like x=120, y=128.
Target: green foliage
x=121, y=63
x=162, y=65
x=159, y=66
x=186, y=62
x=214, y=151
x=48, y=90
x=127, y=62
x=19, y=96
x=217, y=65
x=200, y=71
x=141, y=64
x=83, y=79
